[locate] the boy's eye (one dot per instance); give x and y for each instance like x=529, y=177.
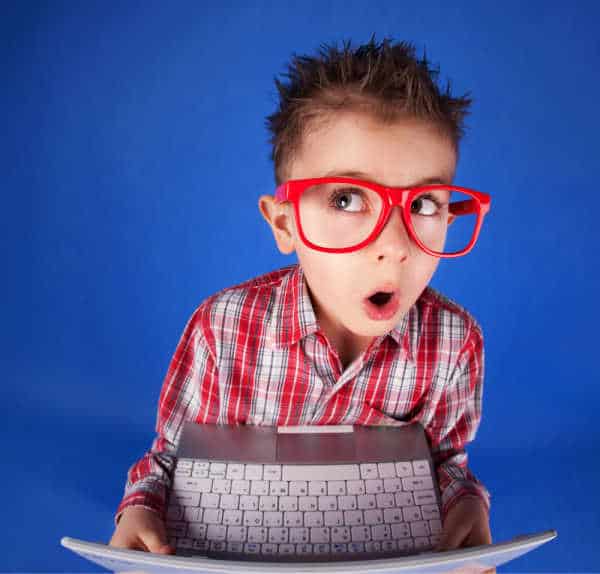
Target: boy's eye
x=425, y=205
x=349, y=200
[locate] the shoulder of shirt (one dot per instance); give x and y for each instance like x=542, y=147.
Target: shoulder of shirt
x=432, y=298
x=220, y=303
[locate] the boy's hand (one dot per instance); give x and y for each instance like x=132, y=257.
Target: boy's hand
x=467, y=524
x=141, y=529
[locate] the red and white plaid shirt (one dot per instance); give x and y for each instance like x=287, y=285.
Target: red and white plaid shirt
x=254, y=354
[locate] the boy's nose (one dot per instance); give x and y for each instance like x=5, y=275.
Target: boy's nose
x=394, y=240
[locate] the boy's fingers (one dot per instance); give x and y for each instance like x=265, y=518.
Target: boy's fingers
x=452, y=536
x=156, y=541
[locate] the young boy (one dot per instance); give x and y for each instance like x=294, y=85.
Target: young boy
x=352, y=334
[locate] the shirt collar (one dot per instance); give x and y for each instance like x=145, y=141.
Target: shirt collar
x=294, y=318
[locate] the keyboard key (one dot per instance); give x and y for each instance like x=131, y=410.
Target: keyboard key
x=353, y=517
x=374, y=486
x=269, y=549
x=293, y=519
x=435, y=526
x=259, y=487
x=236, y=533
x=412, y=513
x=286, y=549
x=313, y=519
x=257, y=534
x=347, y=502
x=341, y=534
x=385, y=500
x=405, y=499
x=192, y=514
x=251, y=548
x=218, y=546
x=253, y=518
x=221, y=486
x=299, y=535
x=213, y=516
x=404, y=469
x=253, y=472
x=272, y=472
x=430, y=511
x=235, y=471
x=392, y=485
x=186, y=498
x=366, y=501
x=405, y=545
x=278, y=488
x=303, y=549
x=321, y=548
x=328, y=503
x=240, y=487
x=307, y=503
x=183, y=483
x=336, y=487
x=216, y=532
x=374, y=516
x=267, y=503
x=360, y=533
x=417, y=483
x=249, y=502
x=278, y=535
x=289, y=503
x=419, y=528
x=230, y=501
x=317, y=487
x=356, y=547
x=320, y=472
x=333, y=518
x=209, y=500
x=425, y=497
x=177, y=529
x=421, y=467
x=391, y=515
x=386, y=469
x=355, y=487
x=273, y=518
x=389, y=546
x=368, y=470
x=381, y=532
x=235, y=547
x=217, y=470
x=319, y=534
x=232, y=517
x=298, y=488
x=339, y=548
x=401, y=530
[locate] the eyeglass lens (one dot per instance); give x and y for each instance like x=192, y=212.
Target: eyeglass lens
x=338, y=216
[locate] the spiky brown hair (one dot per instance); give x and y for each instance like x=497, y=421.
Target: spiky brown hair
x=385, y=80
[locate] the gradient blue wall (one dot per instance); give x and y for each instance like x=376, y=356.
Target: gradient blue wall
x=133, y=152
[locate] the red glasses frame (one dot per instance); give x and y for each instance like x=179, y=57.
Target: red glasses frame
x=479, y=204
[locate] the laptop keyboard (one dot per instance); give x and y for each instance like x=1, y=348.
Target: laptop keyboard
x=302, y=511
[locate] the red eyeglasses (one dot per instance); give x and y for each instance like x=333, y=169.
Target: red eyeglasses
x=342, y=214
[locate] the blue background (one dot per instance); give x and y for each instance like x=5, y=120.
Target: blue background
x=133, y=152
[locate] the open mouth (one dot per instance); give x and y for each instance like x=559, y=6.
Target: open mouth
x=382, y=305
x=380, y=298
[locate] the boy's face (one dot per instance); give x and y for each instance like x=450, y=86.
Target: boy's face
x=407, y=153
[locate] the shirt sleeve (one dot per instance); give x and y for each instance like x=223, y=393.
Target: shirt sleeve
x=455, y=423
x=189, y=393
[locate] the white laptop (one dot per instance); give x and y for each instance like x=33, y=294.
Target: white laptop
x=299, y=499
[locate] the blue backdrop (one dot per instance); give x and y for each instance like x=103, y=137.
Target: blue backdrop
x=133, y=152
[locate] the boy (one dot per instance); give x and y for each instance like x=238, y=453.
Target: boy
x=351, y=335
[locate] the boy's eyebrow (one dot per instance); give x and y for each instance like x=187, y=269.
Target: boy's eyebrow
x=360, y=175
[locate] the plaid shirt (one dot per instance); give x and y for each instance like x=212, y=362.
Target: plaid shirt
x=254, y=354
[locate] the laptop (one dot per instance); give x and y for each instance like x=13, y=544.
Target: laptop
x=296, y=499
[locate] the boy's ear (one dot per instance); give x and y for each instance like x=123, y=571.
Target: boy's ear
x=281, y=219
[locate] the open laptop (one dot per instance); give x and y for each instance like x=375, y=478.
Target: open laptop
x=296, y=499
